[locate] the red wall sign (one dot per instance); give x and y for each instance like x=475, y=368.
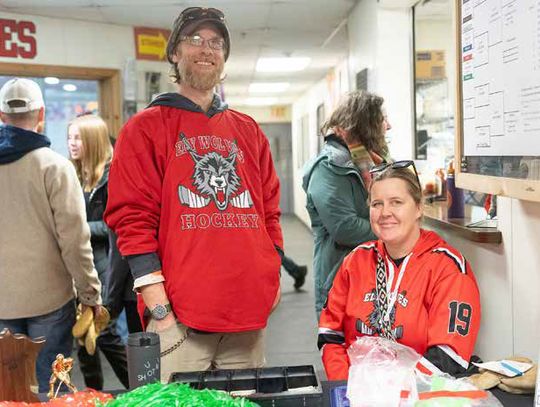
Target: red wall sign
x=16, y=39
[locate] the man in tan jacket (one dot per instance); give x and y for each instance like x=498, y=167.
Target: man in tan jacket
x=45, y=253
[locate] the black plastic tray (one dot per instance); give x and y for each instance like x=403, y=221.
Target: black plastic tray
x=273, y=386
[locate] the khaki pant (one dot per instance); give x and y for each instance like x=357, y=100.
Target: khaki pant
x=185, y=350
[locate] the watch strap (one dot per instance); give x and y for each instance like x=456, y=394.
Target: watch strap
x=157, y=314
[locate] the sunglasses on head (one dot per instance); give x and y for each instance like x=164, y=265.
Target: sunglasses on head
x=196, y=13
x=397, y=165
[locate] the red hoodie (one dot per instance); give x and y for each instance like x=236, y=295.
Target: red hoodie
x=437, y=303
x=200, y=189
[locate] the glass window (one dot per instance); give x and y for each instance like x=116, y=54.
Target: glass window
x=64, y=100
x=435, y=91
x=434, y=83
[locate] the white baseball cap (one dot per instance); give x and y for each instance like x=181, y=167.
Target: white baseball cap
x=20, y=90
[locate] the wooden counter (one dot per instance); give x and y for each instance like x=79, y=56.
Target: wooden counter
x=435, y=217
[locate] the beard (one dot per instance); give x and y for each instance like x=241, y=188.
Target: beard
x=204, y=81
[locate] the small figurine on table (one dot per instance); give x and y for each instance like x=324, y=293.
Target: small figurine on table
x=60, y=371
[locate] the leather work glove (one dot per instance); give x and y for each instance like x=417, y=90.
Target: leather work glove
x=90, y=322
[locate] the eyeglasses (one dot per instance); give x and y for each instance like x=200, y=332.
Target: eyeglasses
x=197, y=41
x=397, y=165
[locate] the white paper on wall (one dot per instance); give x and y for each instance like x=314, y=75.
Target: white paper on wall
x=500, y=59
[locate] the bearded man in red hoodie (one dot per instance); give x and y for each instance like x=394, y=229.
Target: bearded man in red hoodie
x=193, y=198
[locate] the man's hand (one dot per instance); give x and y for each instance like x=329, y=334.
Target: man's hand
x=97, y=309
x=153, y=295
x=276, y=300
x=165, y=323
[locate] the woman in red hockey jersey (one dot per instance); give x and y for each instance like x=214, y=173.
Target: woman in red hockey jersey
x=409, y=285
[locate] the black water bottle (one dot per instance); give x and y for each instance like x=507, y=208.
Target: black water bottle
x=143, y=359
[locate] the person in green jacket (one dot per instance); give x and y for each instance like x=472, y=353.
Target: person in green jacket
x=336, y=184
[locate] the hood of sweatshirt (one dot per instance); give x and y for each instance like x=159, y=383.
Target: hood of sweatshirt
x=15, y=143
x=173, y=99
x=427, y=242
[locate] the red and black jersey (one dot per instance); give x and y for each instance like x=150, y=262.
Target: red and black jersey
x=201, y=191
x=433, y=296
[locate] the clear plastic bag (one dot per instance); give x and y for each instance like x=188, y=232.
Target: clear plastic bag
x=380, y=370
x=382, y=374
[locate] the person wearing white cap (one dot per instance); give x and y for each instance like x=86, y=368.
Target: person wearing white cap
x=45, y=252
x=21, y=95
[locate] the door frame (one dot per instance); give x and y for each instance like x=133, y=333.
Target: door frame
x=110, y=98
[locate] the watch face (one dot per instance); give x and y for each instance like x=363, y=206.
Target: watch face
x=159, y=312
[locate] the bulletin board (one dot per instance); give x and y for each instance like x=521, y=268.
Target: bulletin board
x=498, y=97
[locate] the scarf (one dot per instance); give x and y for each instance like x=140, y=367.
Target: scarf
x=364, y=160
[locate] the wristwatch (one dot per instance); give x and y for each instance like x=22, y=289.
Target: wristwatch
x=161, y=311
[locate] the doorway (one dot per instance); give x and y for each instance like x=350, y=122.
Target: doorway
x=109, y=96
x=64, y=99
x=280, y=138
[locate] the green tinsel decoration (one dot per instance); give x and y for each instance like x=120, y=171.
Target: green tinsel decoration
x=177, y=395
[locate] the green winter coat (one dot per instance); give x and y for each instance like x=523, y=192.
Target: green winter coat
x=337, y=207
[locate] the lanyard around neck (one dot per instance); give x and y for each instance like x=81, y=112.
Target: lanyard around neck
x=392, y=294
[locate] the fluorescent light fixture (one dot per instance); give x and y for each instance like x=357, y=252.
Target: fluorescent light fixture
x=52, y=80
x=268, y=87
x=261, y=101
x=69, y=87
x=282, y=64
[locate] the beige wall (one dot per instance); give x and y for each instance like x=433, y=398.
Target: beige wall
x=381, y=40
x=327, y=92
x=77, y=43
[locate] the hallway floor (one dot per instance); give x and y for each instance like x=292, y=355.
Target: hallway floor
x=292, y=330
